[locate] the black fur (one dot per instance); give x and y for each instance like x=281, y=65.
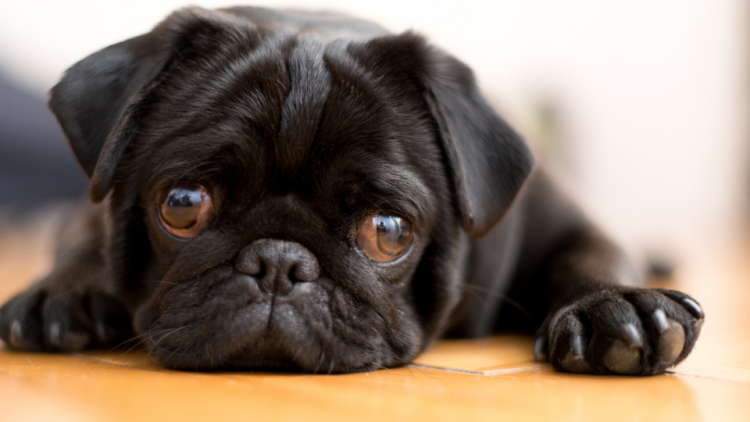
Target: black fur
x=302, y=124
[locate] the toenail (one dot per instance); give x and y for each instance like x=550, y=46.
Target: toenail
x=16, y=338
x=54, y=334
x=694, y=308
x=632, y=336
x=576, y=345
x=540, y=349
x=660, y=320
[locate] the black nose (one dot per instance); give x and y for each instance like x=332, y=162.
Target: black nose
x=277, y=264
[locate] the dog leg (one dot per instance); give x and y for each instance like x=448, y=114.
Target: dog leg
x=598, y=324
x=71, y=309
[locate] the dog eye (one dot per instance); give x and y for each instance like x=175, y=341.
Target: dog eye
x=185, y=209
x=385, y=237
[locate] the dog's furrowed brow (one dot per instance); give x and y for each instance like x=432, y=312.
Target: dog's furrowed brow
x=404, y=190
x=303, y=106
x=277, y=100
x=215, y=160
x=379, y=187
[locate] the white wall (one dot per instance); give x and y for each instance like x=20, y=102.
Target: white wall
x=652, y=94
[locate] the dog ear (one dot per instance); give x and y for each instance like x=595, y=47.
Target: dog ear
x=488, y=161
x=101, y=100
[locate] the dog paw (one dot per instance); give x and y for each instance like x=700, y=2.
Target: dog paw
x=42, y=319
x=621, y=331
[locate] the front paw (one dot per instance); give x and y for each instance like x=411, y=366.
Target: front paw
x=45, y=319
x=622, y=331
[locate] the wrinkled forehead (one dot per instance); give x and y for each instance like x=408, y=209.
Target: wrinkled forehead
x=290, y=110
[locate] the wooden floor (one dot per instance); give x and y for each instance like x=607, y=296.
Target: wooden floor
x=490, y=379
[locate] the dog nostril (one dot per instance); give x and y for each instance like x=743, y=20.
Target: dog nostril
x=278, y=259
x=303, y=272
x=261, y=270
x=293, y=274
x=248, y=263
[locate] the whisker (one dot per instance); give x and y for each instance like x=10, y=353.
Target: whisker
x=161, y=282
x=483, y=292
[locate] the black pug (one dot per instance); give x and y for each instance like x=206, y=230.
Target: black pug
x=305, y=191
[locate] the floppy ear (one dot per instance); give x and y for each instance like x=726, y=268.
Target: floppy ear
x=101, y=100
x=488, y=161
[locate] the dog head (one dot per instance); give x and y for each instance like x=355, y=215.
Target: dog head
x=300, y=200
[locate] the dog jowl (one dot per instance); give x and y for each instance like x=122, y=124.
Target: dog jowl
x=305, y=191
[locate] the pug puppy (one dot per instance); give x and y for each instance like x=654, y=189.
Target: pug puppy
x=304, y=191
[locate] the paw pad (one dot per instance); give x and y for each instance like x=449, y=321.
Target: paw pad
x=625, y=354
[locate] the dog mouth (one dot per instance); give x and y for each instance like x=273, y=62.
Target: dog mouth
x=226, y=321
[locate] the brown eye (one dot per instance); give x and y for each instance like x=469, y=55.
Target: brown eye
x=185, y=209
x=385, y=237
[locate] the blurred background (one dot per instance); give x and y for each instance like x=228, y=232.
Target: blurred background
x=640, y=106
